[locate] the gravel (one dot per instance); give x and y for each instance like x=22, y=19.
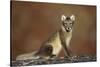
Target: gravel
x=41, y=61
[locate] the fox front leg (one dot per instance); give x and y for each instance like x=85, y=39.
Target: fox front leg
x=66, y=50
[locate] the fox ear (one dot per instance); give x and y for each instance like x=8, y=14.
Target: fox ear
x=72, y=17
x=63, y=17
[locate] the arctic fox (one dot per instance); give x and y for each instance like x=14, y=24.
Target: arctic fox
x=52, y=47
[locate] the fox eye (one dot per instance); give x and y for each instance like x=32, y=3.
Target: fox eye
x=65, y=24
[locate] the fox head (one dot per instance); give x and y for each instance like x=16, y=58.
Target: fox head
x=67, y=22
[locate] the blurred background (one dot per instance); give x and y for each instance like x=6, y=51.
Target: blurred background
x=32, y=23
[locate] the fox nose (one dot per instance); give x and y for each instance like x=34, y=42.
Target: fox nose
x=68, y=28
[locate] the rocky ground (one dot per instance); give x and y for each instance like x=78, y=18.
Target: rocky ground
x=74, y=59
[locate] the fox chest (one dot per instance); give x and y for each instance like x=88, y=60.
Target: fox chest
x=66, y=37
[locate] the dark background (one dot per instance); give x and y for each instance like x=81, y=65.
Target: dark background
x=32, y=23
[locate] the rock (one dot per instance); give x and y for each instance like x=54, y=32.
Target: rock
x=59, y=60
